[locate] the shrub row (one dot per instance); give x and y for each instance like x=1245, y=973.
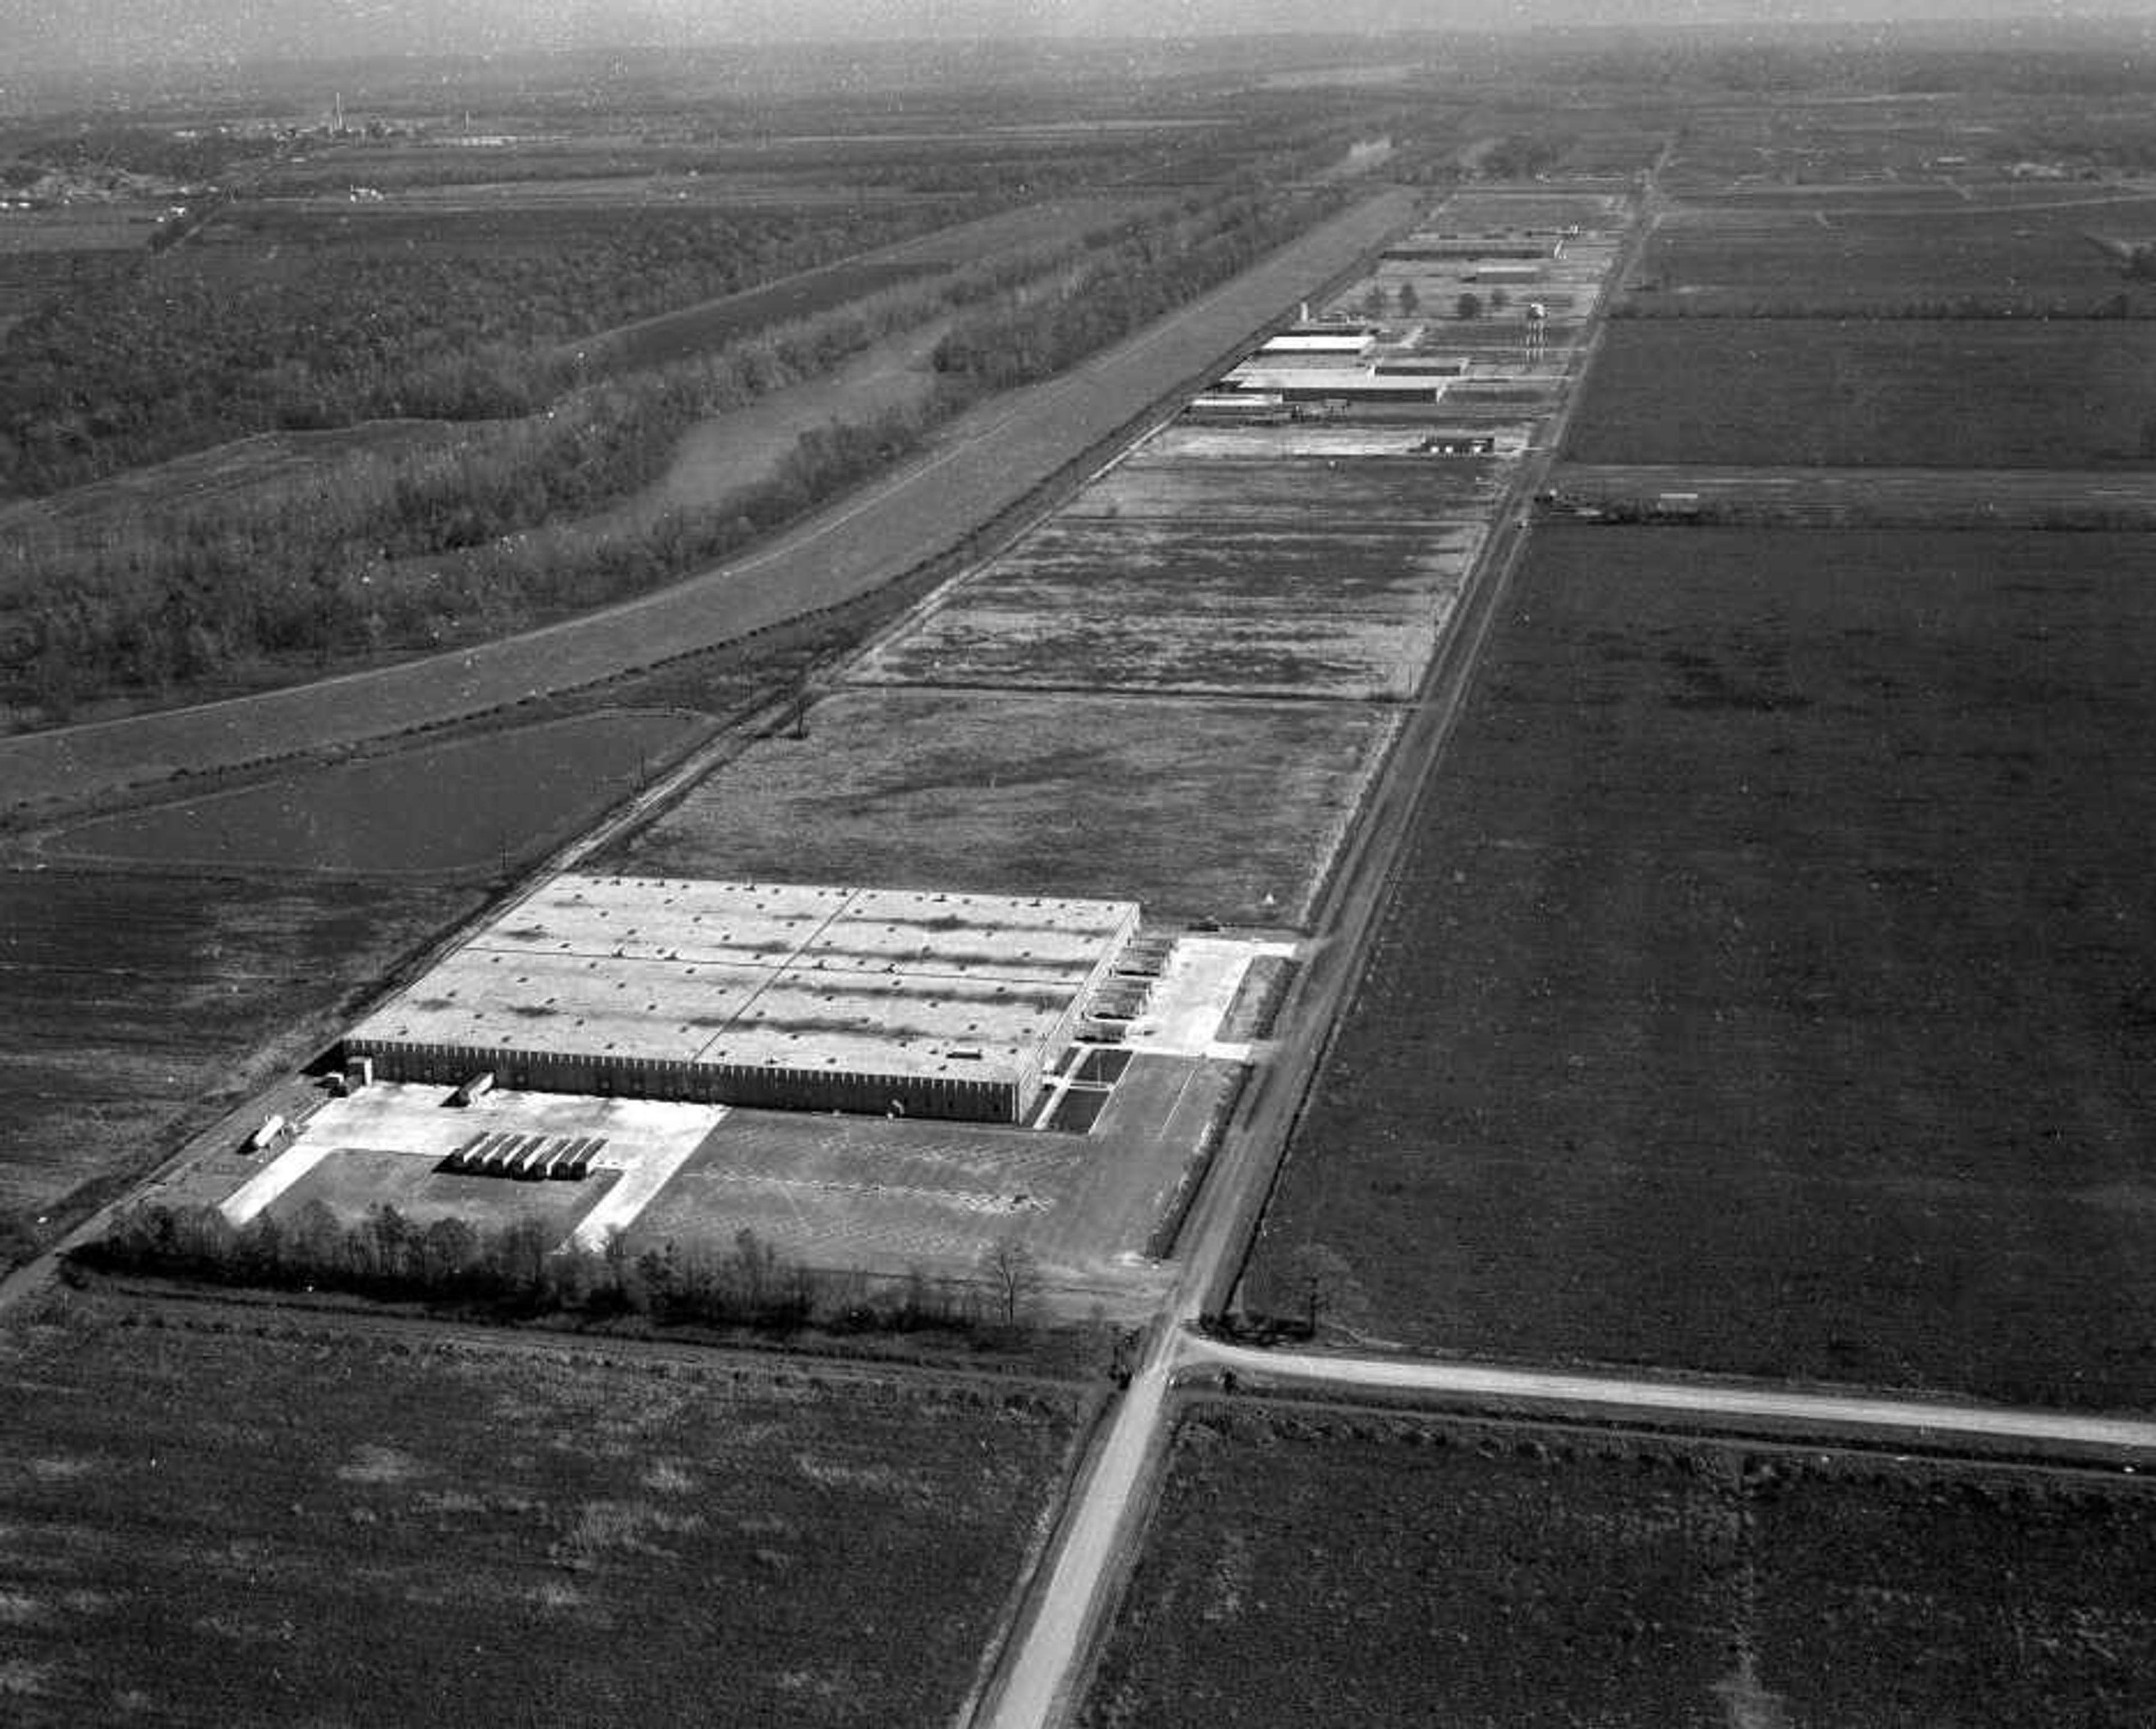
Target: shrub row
x=517, y=1271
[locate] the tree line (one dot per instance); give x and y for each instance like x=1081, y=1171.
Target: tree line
x=433, y=542
x=407, y=547
x=519, y=1269
x=159, y=615
x=190, y=350
x=1027, y=334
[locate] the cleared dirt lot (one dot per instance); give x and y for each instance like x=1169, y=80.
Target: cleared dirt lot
x=1896, y=392
x=398, y=1529
x=1314, y=1567
x=1222, y=809
x=1767, y=990
x=1197, y=477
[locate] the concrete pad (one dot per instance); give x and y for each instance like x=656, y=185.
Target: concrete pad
x=414, y=1119
x=644, y=1172
x=646, y=1140
x=260, y=1190
x=1193, y=994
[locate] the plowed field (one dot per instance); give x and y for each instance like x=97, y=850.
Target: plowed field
x=1323, y=1569
x=1768, y=989
x=259, y=1528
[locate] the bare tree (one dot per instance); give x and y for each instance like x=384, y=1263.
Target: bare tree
x=1325, y=1285
x=1013, y=1275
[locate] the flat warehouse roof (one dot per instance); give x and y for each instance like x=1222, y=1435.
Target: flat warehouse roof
x=1347, y=342
x=747, y=924
x=565, y=1004
x=873, y=1023
x=816, y=979
x=1361, y=381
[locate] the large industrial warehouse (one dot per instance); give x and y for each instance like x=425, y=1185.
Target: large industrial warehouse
x=816, y=998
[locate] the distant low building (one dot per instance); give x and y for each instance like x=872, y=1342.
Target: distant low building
x=1352, y=344
x=1347, y=386
x=1424, y=366
x=1236, y=407
x=1421, y=249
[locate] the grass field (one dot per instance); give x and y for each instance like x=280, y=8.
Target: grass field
x=261, y=1526
x=1145, y=603
x=465, y=806
x=1768, y=988
x=353, y=1180
x=1321, y=1569
x=127, y=999
x=1896, y=392
x=1227, y=809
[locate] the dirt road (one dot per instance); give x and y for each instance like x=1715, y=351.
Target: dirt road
x=1101, y=1527
x=984, y=464
x=1873, y=497
x=1819, y=1414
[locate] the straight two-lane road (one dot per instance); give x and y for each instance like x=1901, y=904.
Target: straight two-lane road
x=1071, y=1595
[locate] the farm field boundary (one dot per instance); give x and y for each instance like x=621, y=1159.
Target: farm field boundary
x=1791, y=1412
x=1937, y=498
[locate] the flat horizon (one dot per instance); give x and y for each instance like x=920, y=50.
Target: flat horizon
x=51, y=37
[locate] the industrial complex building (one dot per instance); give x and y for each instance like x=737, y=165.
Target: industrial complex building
x=826, y=999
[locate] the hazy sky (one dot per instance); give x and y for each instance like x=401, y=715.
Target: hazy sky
x=46, y=33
